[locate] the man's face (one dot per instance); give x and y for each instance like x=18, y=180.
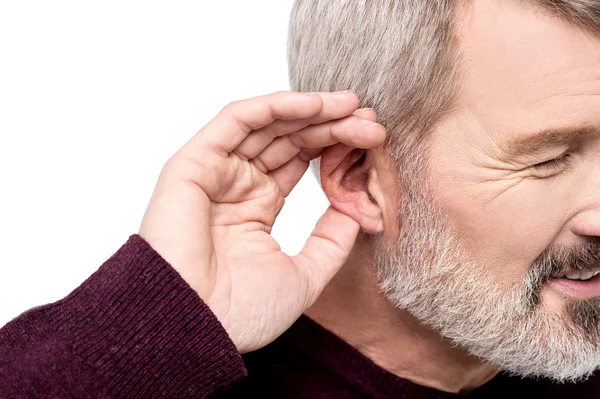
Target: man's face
x=514, y=172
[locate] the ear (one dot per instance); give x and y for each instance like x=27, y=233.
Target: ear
x=348, y=177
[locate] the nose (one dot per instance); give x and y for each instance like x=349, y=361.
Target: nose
x=586, y=198
x=587, y=223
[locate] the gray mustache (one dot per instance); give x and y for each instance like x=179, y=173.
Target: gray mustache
x=584, y=257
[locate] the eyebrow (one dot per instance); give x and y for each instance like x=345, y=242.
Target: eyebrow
x=550, y=138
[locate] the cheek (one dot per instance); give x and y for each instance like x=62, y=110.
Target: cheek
x=504, y=233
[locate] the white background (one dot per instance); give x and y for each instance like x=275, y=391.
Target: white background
x=94, y=98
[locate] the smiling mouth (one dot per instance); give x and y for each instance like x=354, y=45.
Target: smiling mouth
x=577, y=275
x=577, y=284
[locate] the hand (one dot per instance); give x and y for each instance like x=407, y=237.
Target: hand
x=217, y=198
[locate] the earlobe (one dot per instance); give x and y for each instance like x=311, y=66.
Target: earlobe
x=346, y=177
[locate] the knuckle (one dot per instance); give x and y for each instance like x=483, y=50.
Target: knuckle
x=228, y=108
x=296, y=140
x=260, y=165
x=305, y=156
x=333, y=129
x=171, y=167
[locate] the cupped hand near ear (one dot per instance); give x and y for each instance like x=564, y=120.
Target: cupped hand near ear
x=216, y=200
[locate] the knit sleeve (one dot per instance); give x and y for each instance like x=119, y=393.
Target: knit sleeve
x=133, y=329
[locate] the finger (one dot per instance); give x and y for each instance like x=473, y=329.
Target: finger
x=352, y=131
x=287, y=176
x=334, y=107
x=366, y=113
x=229, y=128
x=326, y=250
x=237, y=119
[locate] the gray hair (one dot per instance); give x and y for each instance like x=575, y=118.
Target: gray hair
x=394, y=54
x=399, y=56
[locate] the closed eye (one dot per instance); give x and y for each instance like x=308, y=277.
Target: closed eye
x=553, y=163
x=551, y=168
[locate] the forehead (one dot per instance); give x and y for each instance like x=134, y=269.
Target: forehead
x=525, y=69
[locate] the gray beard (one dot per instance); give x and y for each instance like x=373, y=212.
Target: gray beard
x=429, y=274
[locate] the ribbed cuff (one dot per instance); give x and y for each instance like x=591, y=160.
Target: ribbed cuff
x=145, y=331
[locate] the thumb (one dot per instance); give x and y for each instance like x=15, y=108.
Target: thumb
x=326, y=249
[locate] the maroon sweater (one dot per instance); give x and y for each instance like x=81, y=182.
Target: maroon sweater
x=135, y=329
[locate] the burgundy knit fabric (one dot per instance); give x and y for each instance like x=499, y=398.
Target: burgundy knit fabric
x=135, y=329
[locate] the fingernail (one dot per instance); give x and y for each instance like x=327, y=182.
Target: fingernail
x=364, y=109
x=314, y=93
x=342, y=94
x=374, y=124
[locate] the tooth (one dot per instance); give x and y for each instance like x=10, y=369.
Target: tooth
x=573, y=276
x=586, y=275
x=596, y=272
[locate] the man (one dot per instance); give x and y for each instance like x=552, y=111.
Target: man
x=456, y=258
